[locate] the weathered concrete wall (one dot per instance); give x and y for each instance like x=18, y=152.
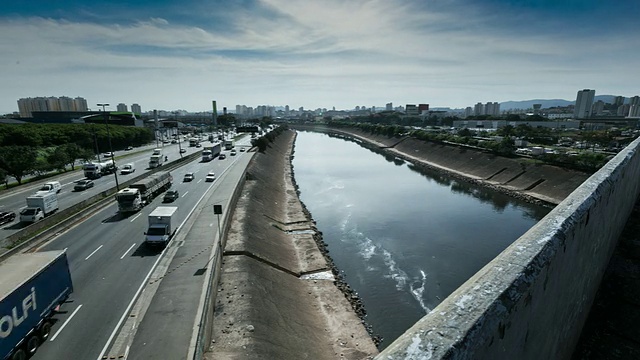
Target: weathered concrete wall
x=532, y=300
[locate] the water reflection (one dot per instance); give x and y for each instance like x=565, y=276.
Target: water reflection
x=403, y=243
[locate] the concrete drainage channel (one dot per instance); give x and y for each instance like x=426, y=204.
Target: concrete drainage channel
x=38, y=233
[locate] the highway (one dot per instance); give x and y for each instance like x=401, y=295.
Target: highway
x=110, y=265
x=14, y=200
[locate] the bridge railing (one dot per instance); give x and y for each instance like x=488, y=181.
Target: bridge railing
x=533, y=299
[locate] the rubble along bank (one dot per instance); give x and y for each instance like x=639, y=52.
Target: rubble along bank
x=532, y=182
x=278, y=296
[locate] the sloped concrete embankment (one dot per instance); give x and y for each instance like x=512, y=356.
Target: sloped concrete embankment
x=265, y=308
x=532, y=300
x=515, y=176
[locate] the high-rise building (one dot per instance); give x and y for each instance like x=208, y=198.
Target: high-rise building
x=423, y=108
x=536, y=109
x=492, y=109
x=618, y=100
x=389, y=106
x=468, y=112
x=584, y=101
x=411, y=109
x=121, y=107
x=136, y=109
x=27, y=105
x=634, y=107
x=478, y=109
x=598, y=108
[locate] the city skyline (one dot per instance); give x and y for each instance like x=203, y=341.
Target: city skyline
x=182, y=55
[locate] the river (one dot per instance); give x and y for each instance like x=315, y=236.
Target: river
x=403, y=239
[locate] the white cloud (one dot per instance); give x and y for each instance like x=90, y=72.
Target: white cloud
x=314, y=54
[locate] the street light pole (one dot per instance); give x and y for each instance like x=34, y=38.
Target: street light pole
x=113, y=160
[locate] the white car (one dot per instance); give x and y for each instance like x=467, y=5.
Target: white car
x=107, y=154
x=127, y=169
x=210, y=177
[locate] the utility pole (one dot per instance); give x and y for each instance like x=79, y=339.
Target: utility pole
x=113, y=160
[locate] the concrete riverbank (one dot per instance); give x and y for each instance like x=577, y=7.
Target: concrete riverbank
x=531, y=181
x=277, y=297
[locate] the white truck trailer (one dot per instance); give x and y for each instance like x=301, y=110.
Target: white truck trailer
x=210, y=152
x=162, y=225
x=140, y=193
x=228, y=144
x=39, y=206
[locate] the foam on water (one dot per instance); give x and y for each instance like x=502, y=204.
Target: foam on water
x=418, y=291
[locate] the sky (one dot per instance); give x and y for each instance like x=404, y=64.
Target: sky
x=181, y=55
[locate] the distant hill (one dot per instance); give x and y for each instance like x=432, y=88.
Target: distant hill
x=547, y=103
x=528, y=104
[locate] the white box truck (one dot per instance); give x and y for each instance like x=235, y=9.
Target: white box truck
x=161, y=226
x=39, y=206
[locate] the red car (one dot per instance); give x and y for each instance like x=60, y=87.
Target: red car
x=7, y=217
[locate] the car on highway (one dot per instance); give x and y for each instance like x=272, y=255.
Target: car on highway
x=182, y=151
x=174, y=141
x=127, y=169
x=222, y=156
x=210, y=177
x=242, y=149
x=108, y=154
x=233, y=152
x=129, y=148
x=198, y=145
x=188, y=177
x=7, y=217
x=170, y=196
x=83, y=185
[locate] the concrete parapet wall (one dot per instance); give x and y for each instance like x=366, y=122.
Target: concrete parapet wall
x=532, y=300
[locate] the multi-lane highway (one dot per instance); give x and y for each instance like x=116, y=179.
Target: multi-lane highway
x=15, y=200
x=109, y=264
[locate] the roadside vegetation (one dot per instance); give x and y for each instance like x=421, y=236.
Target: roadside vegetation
x=39, y=149
x=262, y=142
x=579, y=150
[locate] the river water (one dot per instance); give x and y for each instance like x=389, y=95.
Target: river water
x=403, y=239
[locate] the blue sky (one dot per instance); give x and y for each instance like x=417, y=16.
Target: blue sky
x=317, y=54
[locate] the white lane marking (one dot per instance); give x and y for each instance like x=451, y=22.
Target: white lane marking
x=94, y=251
x=126, y=352
x=199, y=181
x=185, y=194
x=125, y=253
x=135, y=217
x=65, y=323
x=133, y=300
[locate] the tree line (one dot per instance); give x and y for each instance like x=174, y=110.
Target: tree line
x=36, y=149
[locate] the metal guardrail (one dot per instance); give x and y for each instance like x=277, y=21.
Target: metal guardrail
x=64, y=219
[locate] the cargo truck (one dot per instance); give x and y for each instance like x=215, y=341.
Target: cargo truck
x=39, y=206
x=210, y=152
x=140, y=193
x=96, y=170
x=161, y=226
x=228, y=144
x=155, y=161
x=33, y=286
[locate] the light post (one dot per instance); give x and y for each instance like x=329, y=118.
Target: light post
x=113, y=160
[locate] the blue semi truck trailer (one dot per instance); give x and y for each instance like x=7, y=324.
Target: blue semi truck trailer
x=32, y=286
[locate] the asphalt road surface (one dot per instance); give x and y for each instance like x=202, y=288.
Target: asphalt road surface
x=110, y=265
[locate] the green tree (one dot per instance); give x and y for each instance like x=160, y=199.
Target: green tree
x=3, y=178
x=18, y=161
x=74, y=152
x=261, y=143
x=59, y=158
